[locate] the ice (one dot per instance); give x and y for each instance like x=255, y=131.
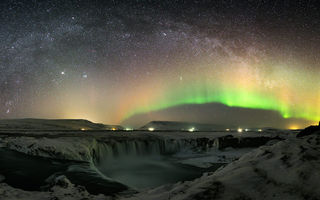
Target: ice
x=289, y=169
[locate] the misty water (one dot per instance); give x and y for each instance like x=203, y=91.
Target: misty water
x=31, y=172
x=109, y=176
x=145, y=171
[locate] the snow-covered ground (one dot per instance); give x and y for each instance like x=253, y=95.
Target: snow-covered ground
x=289, y=169
x=87, y=146
x=62, y=189
x=283, y=167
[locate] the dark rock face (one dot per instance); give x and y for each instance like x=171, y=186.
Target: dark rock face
x=310, y=131
x=230, y=141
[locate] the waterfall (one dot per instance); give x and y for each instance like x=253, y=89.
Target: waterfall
x=112, y=149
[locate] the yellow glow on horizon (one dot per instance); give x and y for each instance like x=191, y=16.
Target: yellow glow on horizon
x=294, y=127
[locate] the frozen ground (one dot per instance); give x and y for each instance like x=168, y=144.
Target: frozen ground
x=62, y=189
x=289, y=169
x=271, y=163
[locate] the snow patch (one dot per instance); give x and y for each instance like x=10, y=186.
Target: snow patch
x=289, y=169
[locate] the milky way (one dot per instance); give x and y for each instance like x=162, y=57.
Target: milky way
x=110, y=61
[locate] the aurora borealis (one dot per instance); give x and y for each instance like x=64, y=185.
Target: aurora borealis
x=110, y=61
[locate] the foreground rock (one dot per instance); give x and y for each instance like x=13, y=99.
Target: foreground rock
x=289, y=169
x=311, y=130
x=91, y=147
x=61, y=190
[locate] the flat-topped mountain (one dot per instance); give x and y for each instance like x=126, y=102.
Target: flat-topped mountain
x=54, y=124
x=181, y=126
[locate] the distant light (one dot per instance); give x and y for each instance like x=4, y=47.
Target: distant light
x=113, y=129
x=62, y=73
x=128, y=129
x=293, y=127
x=259, y=130
x=83, y=129
x=151, y=129
x=240, y=130
x=227, y=129
x=246, y=130
x=191, y=129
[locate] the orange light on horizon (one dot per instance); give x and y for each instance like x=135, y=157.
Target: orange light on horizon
x=294, y=127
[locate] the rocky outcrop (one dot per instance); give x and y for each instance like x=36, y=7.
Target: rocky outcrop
x=244, y=142
x=309, y=131
x=92, y=149
x=289, y=169
x=62, y=190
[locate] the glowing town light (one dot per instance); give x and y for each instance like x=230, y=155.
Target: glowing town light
x=151, y=129
x=113, y=129
x=227, y=129
x=191, y=129
x=82, y=129
x=246, y=130
x=240, y=130
x=259, y=130
x=293, y=127
x=128, y=129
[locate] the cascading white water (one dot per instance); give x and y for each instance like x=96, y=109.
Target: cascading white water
x=114, y=149
x=144, y=163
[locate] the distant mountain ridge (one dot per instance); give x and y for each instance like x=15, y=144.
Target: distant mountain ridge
x=182, y=126
x=54, y=124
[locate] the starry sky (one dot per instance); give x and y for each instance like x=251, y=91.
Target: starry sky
x=253, y=63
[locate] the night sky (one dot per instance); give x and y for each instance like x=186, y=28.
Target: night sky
x=252, y=63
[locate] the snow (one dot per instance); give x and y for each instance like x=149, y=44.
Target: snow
x=289, y=169
x=87, y=147
x=213, y=156
x=78, y=149
x=68, y=191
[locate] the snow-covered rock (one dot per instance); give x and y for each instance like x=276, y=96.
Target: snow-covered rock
x=311, y=130
x=68, y=192
x=88, y=148
x=289, y=169
x=67, y=148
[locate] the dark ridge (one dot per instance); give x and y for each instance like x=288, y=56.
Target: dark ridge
x=310, y=131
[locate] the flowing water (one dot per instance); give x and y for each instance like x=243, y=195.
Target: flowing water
x=115, y=167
